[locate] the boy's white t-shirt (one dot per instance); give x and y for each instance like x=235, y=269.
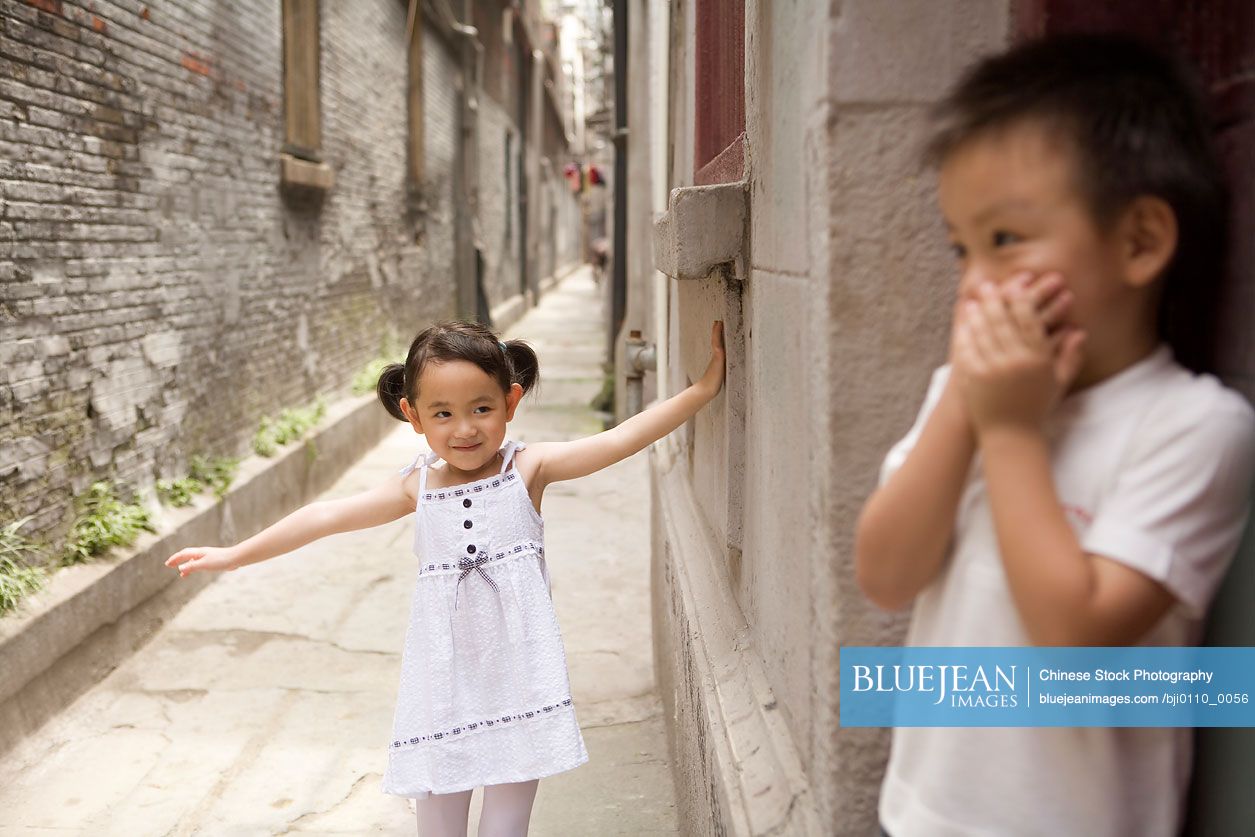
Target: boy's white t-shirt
x=1153, y=467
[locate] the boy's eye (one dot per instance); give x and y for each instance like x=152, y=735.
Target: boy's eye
x=960, y=252
x=1002, y=238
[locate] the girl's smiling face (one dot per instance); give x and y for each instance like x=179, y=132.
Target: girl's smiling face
x=462, y=412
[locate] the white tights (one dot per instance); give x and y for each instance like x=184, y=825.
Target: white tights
x=505, y=812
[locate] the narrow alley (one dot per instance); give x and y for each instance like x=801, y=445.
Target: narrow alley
x=264, y=706
x=726, y=219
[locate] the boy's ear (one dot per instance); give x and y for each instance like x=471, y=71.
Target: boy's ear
x=1148, y=232
x=411, y=414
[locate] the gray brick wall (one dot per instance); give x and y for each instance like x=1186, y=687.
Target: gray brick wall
x=560, y=211
x=157, y=295
x=440, y=82
x=500, y=223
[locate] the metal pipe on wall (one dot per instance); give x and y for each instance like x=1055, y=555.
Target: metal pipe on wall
x=618, y=298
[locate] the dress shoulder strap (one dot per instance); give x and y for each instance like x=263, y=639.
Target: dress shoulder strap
x=511, y=449
x=422, y=461
x=412, y=465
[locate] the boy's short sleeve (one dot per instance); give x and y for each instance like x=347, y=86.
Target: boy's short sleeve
x=1180, y=501
x=898, y=453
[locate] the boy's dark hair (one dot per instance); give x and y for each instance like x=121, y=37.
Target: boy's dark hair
x=457, y=340
x=1138, y=124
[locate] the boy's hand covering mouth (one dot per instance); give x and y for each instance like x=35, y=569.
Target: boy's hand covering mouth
x=1046, y=291
x=1013, y=354
x=1047, y=295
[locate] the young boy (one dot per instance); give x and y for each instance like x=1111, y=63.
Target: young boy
x=1066, y=482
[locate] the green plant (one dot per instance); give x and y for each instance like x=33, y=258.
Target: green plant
x=264, y=439
x=366, y=380
x=103, y=521
x=217, y=473
x=179, y=492
x=19, y=576
x=604, y=400
x=291, y=424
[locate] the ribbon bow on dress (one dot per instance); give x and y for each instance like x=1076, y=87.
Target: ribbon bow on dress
x=468, y=565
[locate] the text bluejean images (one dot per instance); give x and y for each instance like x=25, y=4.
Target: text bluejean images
x=1027, y=687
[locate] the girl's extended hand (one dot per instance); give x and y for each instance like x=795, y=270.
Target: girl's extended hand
x=202, y=558
x=712, y=380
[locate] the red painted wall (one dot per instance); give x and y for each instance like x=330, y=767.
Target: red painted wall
x=719, y=155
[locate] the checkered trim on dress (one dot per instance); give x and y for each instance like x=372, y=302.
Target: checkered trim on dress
x=517, y=549
x=472, y=488
x=484, y=724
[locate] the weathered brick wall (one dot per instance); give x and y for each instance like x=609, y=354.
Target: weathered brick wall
x=560, y=230
x=157, y=295
x=499, y=211
x=440, y=106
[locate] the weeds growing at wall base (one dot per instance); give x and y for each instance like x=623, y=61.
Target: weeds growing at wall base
x=20, y=572
x=202, y=473
x=217, y=473
x=179, y=493
x=103, y=521
x=289, y=426
x=366, y=380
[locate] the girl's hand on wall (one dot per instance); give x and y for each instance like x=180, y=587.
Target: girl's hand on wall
x=204, y=558
x=712, y=380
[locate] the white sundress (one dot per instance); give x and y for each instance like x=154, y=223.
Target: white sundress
x=484, y=696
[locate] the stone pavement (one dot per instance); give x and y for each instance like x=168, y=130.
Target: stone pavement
x=264, y=706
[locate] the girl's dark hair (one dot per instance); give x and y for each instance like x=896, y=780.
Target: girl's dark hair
x=1137, y=124
x=457, y=340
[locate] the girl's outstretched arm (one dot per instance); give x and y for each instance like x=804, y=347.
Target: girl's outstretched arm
x=375, y=507
x=569, y=460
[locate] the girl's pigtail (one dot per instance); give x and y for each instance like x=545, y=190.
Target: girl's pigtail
x=391, y=389
x=524, y=365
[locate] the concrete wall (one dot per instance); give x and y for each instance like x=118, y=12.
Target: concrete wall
x=886, y=314
x=639, y=314
x=509, y=153
x=560, y=232
x=842, y=313
x=151, y=267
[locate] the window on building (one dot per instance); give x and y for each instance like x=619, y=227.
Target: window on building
x=509, y=191
x=414, y=94
x=301, y=166
x=301, y=111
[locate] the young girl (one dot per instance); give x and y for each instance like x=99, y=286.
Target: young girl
x=484, y=698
